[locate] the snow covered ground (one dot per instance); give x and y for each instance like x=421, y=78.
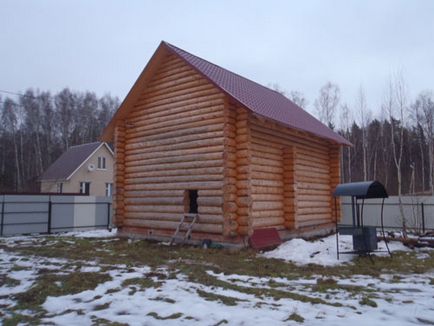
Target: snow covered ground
x=141, y=295
x=323, y=251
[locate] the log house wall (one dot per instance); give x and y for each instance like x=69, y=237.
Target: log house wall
x=174, y=141
x=183, y=133
x=293, y=175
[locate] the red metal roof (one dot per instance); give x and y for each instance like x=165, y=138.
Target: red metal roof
x=259, y=99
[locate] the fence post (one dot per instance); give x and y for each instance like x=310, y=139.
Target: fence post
x=2, y=216
x=423, y=217
x=108, y=216
x=49, y=215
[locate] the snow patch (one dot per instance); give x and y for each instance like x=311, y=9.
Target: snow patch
x=323, y=251
x=91, y=234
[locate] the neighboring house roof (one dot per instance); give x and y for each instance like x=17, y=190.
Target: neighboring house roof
x=70, y=161
x=259, y=99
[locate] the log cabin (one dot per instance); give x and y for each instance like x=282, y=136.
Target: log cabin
x=194, y=138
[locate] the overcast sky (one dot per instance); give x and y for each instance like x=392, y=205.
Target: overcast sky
x=103, y=45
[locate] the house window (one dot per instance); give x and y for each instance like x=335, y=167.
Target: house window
x=108, y=189
x=60, y=188
x=101, y=163
x=85, y=188
x=190, y=201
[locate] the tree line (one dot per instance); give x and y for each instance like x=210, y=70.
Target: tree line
x=395, y=147
x=36, y=127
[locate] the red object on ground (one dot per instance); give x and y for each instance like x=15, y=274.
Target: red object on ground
x=265, y=239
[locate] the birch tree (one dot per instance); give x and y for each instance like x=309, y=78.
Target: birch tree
x=423, y=109
x=395, y=105
x=10, y=123
x=326, y=104
x=346, y=121
x=364, y=118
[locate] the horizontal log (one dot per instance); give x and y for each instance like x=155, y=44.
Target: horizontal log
x=267, y=205
x=210, y=210
x=177, y=186
x=264, y=190
x=151, y=193
x=164, y=131
x=313, y=216
x=267, y=183
x=158, y=122
x=263, y=161
x=184, y=104
x=313, y=186
x=313, y=192
x=267, y=197
x=268, y=222
x=179, y=159
x=176, y=139
x=310, y=203
x=266, y=176
x=214, y=113
x=177, y=86
x=266, y=168
x=313, y=210
x=157, y=201
x=195, y=164
x=318, y=198
x=267, y=213
x=176, y=172
x=204, y=218
x=271, y=129
x=216, y=147
x=196, y=92
x=279, y=141
x=173, y=109
x=148, y=208
x=207, y=228
x=210, y=201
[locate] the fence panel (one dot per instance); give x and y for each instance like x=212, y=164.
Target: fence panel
x=28, y=214
x=418, y=212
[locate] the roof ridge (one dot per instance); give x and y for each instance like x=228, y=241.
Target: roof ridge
x=256, y=97
x=218, y=66
x=95, y=142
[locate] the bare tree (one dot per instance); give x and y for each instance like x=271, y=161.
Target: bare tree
x=276, y=87
x=11, y=125
x=364, y=118
x=423, y=113
x=327, y=102
x=65, y=104
x=395, y=105
x=346, y=121
x=298, y=98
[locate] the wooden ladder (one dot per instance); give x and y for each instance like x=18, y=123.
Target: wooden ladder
x=188, y=220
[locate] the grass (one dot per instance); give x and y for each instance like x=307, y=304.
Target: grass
x=195, y=264
x=228, y=301
x=295, y=317
x=8, y=281
x=245, y=262
x=172, y=316
x=48, y=285
x=366, y=301
x=141, y=282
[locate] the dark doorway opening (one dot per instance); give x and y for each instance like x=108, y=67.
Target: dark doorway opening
x=190, y=201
